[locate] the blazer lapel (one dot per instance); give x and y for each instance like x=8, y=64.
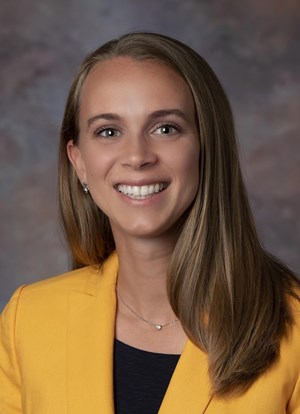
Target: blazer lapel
x=90, y=343
x=90, y=354
x=189, y=388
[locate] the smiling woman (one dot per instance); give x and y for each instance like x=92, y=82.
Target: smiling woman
x=173, y=305
x=140, y=153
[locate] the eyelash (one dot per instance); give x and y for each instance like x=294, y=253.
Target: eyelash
x=162, y=125
x=168, y=125
x=106, y=128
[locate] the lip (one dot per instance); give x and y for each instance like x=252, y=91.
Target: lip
x=141, y=182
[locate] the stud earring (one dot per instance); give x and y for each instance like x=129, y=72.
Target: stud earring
x=85, y=188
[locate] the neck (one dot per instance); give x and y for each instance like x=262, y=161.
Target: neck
x=143, y=266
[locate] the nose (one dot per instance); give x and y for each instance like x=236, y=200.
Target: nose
x=138, y=153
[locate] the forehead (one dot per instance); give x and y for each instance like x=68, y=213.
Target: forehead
x=123, y=79
x=121, y=67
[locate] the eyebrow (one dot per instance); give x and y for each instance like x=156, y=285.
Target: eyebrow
x=156, y=114
x=107, y=117
x=164, y=112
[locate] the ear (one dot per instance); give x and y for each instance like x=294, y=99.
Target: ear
x=76, y=159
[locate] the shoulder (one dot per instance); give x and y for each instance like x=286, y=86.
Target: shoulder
x=52, y=293
x=78, y=279
x=287, y=368
x=83, y=279
x=292, y=336
x=288, y=363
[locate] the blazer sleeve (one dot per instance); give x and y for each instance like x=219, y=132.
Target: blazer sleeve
x=10, y=381
x=294, y=404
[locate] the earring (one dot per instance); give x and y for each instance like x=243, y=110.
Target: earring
x=85, y=188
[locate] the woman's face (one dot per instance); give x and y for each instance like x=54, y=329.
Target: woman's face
x=138, y=147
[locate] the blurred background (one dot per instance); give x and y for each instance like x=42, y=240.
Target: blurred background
x=252, y=45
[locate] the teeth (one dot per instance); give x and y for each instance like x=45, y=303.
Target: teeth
x=145, y=190
x=142, y=191
x=136, y=190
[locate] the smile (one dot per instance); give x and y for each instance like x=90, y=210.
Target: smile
x=141, y=192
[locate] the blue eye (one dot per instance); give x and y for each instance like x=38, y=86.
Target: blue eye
x=108, y=132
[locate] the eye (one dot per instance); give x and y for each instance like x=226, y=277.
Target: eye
x=108, y=132
x=166, y=129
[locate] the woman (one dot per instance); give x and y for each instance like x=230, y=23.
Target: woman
x=174, y=306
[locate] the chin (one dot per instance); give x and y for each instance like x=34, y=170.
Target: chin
x=145, y=230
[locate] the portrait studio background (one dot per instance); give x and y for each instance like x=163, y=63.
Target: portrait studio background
x=253, y=46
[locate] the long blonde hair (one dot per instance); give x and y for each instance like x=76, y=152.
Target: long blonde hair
x=229, y=294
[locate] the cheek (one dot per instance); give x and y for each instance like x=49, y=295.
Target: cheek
x=189, y=167
x=187, y=162
x=191, y=161
x=97, y=164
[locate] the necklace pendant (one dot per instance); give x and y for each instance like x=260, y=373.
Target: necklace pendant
x=158, y=327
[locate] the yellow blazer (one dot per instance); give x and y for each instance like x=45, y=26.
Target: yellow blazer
x=56, y=356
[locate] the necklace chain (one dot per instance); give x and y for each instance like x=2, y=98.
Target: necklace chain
x=158, y=326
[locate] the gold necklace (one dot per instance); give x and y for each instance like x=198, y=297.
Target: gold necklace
x=158, y=326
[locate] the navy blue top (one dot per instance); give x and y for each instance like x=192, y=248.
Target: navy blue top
x=141, y=379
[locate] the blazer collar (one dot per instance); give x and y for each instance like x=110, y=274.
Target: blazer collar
x=90, y=340
x=89, y=354
x=189, y=388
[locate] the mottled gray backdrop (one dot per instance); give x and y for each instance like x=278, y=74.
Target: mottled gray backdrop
x=252, y=45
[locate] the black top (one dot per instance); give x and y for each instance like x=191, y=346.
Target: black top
x=141, y=379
